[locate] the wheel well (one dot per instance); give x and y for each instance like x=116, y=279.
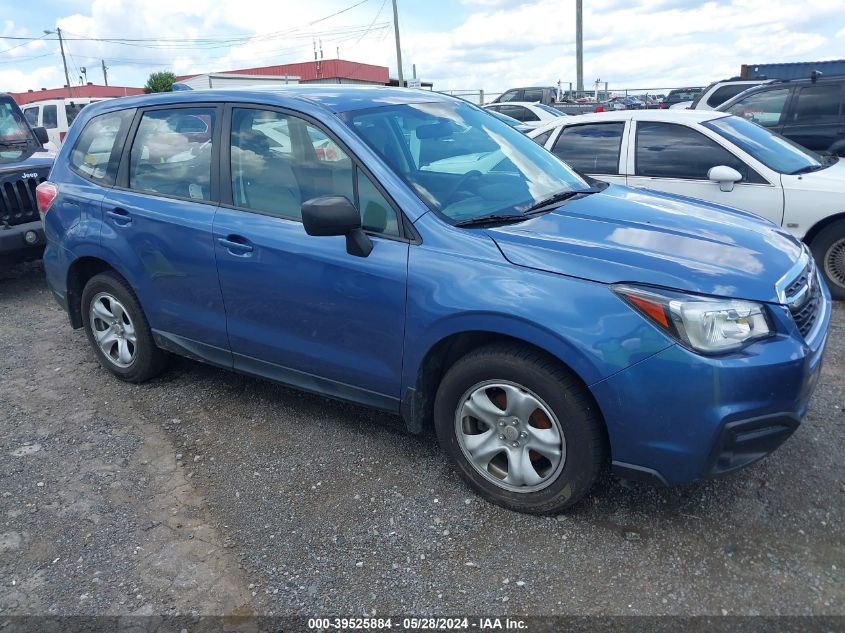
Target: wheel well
x=419, y=413
x=78, y=275
x=819, y=226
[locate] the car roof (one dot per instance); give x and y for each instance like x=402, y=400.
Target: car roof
x=333, y=97
x=665, y=116
x=775, y=84
x=499, y=104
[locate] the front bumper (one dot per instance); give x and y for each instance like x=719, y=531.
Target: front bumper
x=14, y=246
x=678, y=416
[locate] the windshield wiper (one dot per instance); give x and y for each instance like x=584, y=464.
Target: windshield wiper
x=559, y=197
x=492, y=218
x=807, y=169
x=13, y=143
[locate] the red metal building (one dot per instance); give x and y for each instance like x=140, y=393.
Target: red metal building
x=88, y=90
x=319, y=71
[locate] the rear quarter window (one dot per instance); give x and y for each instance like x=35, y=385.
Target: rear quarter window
x=96, y=153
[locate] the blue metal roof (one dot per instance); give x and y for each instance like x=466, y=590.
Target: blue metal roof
x=795, y=70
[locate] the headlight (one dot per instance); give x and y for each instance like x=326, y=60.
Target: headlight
x=703, y=324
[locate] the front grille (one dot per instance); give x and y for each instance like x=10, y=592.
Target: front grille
x=803, y=297
x=17, y=201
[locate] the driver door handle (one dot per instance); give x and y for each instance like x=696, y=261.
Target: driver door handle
x=236, y=245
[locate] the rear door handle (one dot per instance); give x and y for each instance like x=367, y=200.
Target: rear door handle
x=120, y=216
x=236, y=245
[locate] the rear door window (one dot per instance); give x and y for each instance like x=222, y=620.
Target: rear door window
x=49, y=117
x=171, y=153
x=527, y=114
x=31, y=115
x=592, y=148
x=533, y=95
x=96, y=153
x=510, y=95
x=818, y=104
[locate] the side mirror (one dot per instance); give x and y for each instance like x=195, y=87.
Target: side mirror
x=726, y=176
x=41, y=135
x=335, y=215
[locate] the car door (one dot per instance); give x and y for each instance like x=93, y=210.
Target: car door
x=816, y=117
x=301, y=309
x=675, y=158
x=595, y=149
x=50, y=122
x=158, y=222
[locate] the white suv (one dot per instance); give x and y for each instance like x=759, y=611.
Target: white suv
x=719, y=158
x=719, y=92
x=55, y=116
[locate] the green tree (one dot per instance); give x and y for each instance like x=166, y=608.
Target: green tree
x=160, y=82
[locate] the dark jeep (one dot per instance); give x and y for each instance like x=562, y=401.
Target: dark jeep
x=23, y=164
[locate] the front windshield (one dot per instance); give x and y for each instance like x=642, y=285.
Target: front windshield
x=773, y=150
x=462, y=162
x=13, y=127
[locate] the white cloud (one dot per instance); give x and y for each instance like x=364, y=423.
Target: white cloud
x=500, y=43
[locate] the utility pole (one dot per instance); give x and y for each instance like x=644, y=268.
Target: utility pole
x=398, y=46
x=105, y=72
x=64, y=61
x=579, y=45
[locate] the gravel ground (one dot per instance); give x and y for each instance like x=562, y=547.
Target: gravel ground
x=208, y=492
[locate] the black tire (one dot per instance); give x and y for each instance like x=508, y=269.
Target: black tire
x=561, y=391
x=828, y=249
x=148, y=360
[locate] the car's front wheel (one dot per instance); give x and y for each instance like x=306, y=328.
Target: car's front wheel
x=829, y=252
x=520, y=429
x=118, y=330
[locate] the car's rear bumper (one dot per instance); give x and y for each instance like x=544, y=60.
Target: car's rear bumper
x=678, y=417
x=21, y=242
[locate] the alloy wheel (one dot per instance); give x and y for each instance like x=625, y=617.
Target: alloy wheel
x=834, y=262
x=113, y=330
x=510, y=436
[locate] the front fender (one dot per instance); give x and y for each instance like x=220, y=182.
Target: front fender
x=580, y=322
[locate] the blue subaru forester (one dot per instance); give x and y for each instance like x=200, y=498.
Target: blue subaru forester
x=407, y=251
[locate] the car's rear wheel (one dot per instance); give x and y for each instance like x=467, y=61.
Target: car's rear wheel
x=118, y=330
x=520, y=429
x=829, y=252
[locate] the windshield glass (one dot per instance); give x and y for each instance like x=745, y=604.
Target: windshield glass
x=773, y=150
x=13, y=127
x=462, y=162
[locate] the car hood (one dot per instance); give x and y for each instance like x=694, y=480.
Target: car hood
x=831, y=179
x=632, y=235
x=26, y=158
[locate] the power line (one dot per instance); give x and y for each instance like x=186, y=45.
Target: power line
x=28, y=42
x=380, y=9
x=223, y=39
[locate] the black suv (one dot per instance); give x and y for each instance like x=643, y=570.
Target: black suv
x=809, y=111
x=23, y=164
x=680, y=95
